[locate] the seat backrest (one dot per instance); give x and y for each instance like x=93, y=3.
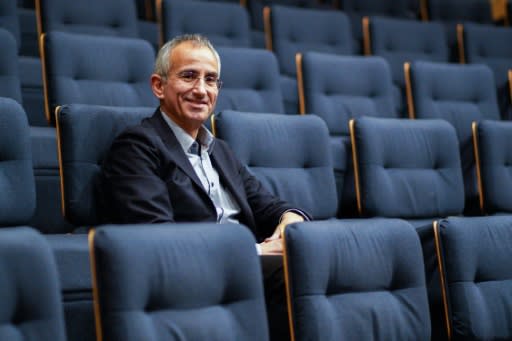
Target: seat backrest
x=256, y=7
x=290, y=155
x=474, y=256
x=252, y=85
x=96, y=70
x=224, y=23
x=177, y=282
x=9, y=20
x=406, y=168
x=96, y=17
x=80, y=163
x=457, y=11
x=292, y=30
x=29, y=288
x=493, y=159
x=459, y=94
x=10, y=85
x=339, y=88
x=399, y=41
x=489, y=45
x=349, y=280
x=17, y=187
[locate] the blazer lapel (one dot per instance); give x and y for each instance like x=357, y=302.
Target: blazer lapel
x=174, y=147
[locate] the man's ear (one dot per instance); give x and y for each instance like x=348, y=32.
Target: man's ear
x=157, y=86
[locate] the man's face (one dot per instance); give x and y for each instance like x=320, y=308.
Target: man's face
x=189, y=94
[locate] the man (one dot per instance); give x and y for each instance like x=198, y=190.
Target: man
x=171, y=169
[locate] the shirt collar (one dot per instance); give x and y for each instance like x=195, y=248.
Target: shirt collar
x=204, y=136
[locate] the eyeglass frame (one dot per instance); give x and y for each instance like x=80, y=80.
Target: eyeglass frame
x=193, y=77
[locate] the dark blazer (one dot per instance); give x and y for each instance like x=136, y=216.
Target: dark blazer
x=147, y=178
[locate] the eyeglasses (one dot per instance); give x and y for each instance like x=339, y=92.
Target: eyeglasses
x=211, y=81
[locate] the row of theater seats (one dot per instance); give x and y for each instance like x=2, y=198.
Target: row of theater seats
x=96, y=70
x=429, y=275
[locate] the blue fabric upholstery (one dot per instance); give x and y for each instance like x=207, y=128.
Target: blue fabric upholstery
x=452, y=12
x=357, y=9
x=489, y=45
x=178, y=282
x=338, y=88
x=349, y=280
x=252, y=85
x=476, y=257
x=459, y=94
x=289, y=154
x=98, y=17
x=71, y=253
x=17, y=188
x=9, y=20
x=296, y=30
x=493, y=139
x=9, y=75
x=29, y=288
x=256, y=7
x=81, y=162
x=408, y=168
x=225, y=24
x=399, y=41
x=83, y=69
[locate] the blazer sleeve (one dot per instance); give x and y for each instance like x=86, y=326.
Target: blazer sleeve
x=134, y=191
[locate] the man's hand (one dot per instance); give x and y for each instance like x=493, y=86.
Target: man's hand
x=274, y=243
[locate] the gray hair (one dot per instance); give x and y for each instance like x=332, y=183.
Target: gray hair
x=163, y=62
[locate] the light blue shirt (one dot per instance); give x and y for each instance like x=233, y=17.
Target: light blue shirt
x=199, y=157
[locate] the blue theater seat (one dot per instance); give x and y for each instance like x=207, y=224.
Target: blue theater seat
x=351, y=280
x=410, y=169
x=292, y=30
x=17, y=187
x=475, y=258
x=29, y=287
x=489, y=45
x=290, y=155
x=358, y=9
x=96, y=70
x=252, y=85
x=493, y=159
x=459, y=94
x=453, y=12
x=177, y=282
x=224, y=23
x=97, y=17
x=80, y=162
x=399, y=41
x=339, y=88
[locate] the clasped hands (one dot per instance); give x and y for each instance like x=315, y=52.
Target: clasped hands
x=273, y=245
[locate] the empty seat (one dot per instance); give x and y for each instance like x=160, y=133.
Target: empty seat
x=459, y=94
x=177, y=282
x=80, y=162
x=399, y=41
x=357, y=9
x=489, y=45
x=29, y=287
x=290, y=155
x=474, y=259
x=17, y=188
x=10, y=85
x=98, y=17
x=410, y=169
x=29, y=64
x=338, y=88
x=251, y=86
x=453, y=12
x=491, y=142
x=96, y=70
x=291, y=30
x=224, y=23
x=349, y=280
